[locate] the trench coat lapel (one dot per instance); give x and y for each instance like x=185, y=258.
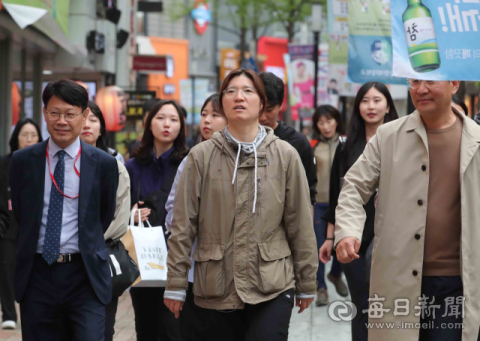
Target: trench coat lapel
x=470, y=144
x=415, y=123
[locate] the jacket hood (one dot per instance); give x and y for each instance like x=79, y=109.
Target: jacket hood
x=220, y=141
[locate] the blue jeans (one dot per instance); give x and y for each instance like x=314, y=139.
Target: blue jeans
x=320, y=225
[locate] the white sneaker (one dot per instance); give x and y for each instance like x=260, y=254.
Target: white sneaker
x=9, y=325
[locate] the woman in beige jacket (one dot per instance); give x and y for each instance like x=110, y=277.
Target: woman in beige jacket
x=248, y=204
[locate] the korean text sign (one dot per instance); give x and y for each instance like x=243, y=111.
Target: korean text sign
x=436, y=39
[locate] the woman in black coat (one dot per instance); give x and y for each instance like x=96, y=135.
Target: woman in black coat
x=26, y=133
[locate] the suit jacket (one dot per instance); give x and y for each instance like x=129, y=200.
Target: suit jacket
x=96, y=208
x=8, y=225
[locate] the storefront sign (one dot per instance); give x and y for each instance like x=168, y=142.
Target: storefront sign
x=229, y=62
x=201, y=16
x=136, y=100
x=150, y=63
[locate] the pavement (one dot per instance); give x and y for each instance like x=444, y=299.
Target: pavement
x=311, y=325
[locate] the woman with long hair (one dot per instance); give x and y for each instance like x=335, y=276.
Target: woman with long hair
x=244, y=196
x=373, y=107
x=211, y=121
x=94, y=132
x=152, y=170
x=327, y=127
x=25, y=134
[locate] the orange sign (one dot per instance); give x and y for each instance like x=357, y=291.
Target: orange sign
x=230, y=61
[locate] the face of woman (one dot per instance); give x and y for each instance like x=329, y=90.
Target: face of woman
x=28, y=136
x=241, y=101
x=91, y=129
x=166, y=124
x=373, y=107
x=327, y=126
x=211, y=121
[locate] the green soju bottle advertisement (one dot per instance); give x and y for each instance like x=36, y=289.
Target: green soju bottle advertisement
x=421, y=38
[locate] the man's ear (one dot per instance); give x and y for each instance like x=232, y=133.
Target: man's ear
x=455, y=86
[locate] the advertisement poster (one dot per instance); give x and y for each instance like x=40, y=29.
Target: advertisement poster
x=436, y=39
x=301, y=83
x=338, y=50
x=370, y=56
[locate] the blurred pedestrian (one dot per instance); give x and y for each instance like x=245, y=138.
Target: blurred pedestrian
x=328, y=129
x=245, y=196
x=152, y=170
x=190, y=141
x=94, y=133
x=459, y=104
x=25, y=134
x=373, y=107
x=211, y=121
x=63, y=197
x=275, y=91
x=426, y=168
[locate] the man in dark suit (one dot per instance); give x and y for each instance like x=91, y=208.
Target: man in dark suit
x=63, y=196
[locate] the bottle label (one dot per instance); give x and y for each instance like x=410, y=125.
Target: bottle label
x=420, y=34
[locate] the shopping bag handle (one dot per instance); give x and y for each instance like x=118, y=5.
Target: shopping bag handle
x=140, y=222
x=132, y=218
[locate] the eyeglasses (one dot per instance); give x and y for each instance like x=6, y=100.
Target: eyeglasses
x=415, y=83
x=27, y=135
x=246, y=91
x=69, y=117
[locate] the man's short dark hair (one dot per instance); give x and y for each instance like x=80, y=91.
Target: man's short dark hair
x=274, y=88
x=68, y=91
x=149, y=104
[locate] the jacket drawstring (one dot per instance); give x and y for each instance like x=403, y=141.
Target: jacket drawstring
x=255, y=182
x=236, y=163
x=256, y=171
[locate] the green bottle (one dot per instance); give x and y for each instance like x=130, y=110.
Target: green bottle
x=421, y=38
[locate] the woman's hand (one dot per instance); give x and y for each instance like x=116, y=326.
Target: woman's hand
x=145, y=212
x=325, y=251
x=174, y=306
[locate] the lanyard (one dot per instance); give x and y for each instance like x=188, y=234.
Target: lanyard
x=74, y=167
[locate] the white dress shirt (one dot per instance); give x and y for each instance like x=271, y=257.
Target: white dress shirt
x=69, y=232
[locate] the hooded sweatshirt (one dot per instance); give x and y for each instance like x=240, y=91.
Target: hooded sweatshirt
x=301, y=144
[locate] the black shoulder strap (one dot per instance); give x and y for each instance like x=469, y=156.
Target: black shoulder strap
x=170, y=177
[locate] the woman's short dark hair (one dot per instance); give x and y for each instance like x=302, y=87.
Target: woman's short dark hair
x=68, y=91
x=274, y=88
x=356, y=137
x=102, y=141
x=16, y=132
x=143, y=152
x=257, y=83
x=328, y=112
x=456, y=99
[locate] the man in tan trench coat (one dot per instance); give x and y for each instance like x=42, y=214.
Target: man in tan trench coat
x=426, y=167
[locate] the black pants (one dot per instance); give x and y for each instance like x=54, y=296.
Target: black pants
x=110, y=312
x=7, y=270
x=442, y=289
x=267, y=321
x=59, y=292
x=192, y=318
x=355, y=272
x=153, y=320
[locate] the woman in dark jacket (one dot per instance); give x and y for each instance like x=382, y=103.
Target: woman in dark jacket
x=152, y=170
x=373, y=107
x=26, y=133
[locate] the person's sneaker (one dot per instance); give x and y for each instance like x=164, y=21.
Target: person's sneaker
x=322, y=297
x=340, y=286
x=9, y=325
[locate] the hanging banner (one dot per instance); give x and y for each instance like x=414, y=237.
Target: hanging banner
x=229, y=61
x=301, y=84
x=436, y=39
x=338, y=50
x=370, y=42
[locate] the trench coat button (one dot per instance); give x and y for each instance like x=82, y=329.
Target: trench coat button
x=424, y=168
x=415, y=272
x=420, y=202
x=417, y=236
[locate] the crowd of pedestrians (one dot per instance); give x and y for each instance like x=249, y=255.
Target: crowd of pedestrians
x=251, y=214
